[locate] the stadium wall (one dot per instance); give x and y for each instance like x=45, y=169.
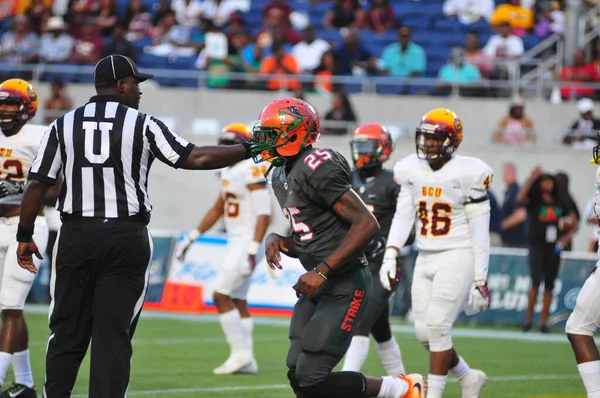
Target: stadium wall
x=181, y=197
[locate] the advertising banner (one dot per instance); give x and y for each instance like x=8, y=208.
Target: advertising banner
x=188, y=286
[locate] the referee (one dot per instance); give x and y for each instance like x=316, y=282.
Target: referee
x=103, y=251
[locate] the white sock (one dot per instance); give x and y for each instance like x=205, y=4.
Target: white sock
x=392, y=387
x=590, y=374
x=5, y=358
x=22, y=368
x=357, y=354
x=389, y=352
x=435, y=385
x=247, y=328
x=231, y=323
x=461, y=369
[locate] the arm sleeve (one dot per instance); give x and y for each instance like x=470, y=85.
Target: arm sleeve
x=167, y=146
x=477, y=210
x=48, y=162
x=403, y=221
x=479, y=223
x=329, y=180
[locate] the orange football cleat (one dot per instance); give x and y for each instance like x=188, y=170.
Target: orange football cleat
x=416, y=385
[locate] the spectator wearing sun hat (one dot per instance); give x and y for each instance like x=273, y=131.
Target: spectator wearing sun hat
x=516, y=127
x=56, y=44
x=583, y=131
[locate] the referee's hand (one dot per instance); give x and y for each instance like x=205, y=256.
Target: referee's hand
x=25, y=250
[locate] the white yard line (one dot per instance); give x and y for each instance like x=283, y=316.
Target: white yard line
x=285, y=386
x=400, y=329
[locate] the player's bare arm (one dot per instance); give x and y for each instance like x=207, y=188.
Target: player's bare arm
x=275, y=244
x=215, y=157
x=209, y=219
x=363, y=227
x=33, y=199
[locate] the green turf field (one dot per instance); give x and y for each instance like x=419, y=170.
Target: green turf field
x=174, y=358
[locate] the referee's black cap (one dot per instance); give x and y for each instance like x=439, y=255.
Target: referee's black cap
x=116, y=67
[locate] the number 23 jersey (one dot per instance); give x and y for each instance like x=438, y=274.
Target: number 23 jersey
x=306, y=194
x=437, y=199
x=17, y=153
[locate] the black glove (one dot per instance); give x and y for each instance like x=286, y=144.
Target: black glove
x=10, y=187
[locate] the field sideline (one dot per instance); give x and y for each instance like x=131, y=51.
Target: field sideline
x=174, y=355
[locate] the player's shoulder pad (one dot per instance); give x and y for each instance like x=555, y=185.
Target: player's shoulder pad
x=404, y=167
x=477, y=173
x=254, y=172
x=320, y=163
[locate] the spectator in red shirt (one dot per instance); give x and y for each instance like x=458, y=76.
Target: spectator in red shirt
x=88, y=46
x=579, y=72
x=380, y=17
x=280, y=9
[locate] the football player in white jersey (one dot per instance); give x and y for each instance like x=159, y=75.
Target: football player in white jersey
x=19, y=143
x=245, y=204
x=446, y=195
x=585, y=318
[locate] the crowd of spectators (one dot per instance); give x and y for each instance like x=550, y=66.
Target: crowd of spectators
x=222, y=38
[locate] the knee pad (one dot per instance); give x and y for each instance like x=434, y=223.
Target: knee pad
x=422, y=333
x=338, y=384
x=291, y=375
x=577, y=325
x=439, y=338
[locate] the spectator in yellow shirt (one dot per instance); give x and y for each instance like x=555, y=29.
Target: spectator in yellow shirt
x=519, y=17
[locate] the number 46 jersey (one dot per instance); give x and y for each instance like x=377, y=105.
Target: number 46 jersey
x=17, y=153
x=436, y=199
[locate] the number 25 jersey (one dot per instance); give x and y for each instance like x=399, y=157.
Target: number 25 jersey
x=437, y=199
x=306, y=193
x=17, y=153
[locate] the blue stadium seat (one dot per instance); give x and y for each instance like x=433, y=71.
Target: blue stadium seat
x=139, y=45
x=480, y=26
x=254, y=18
x=402, y=9
x=151, y=61
x=416, y=22
x=321, y=8
x=316, y=19
x=530, y=41
x=422, y=38
x=447, y=25
x=332, y=35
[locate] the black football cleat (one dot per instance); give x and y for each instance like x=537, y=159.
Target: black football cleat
x=19, y=390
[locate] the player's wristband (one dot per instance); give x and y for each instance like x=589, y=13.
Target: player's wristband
x=327, y=265
x=320, y=273
x=248, y=145
x=193, y=235
x=24, y=234
x=253, y=248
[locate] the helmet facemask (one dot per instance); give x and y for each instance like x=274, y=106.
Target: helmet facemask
x=11, y=120
x=596, y=150
x=366, y=152
x=266, y=141
x=434, y=146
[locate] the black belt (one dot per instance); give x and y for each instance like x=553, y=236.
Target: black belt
x=138, y=218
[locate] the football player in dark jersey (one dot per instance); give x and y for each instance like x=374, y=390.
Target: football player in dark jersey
x=371, y=146
x=331, y=226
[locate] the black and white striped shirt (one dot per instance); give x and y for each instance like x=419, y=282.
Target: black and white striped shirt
x=105, y=150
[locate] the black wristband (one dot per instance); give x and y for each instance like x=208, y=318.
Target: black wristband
x=247, y=144
x=327, y=265
x=24, y=234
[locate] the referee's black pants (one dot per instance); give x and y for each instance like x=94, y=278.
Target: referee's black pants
x=98, y=285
